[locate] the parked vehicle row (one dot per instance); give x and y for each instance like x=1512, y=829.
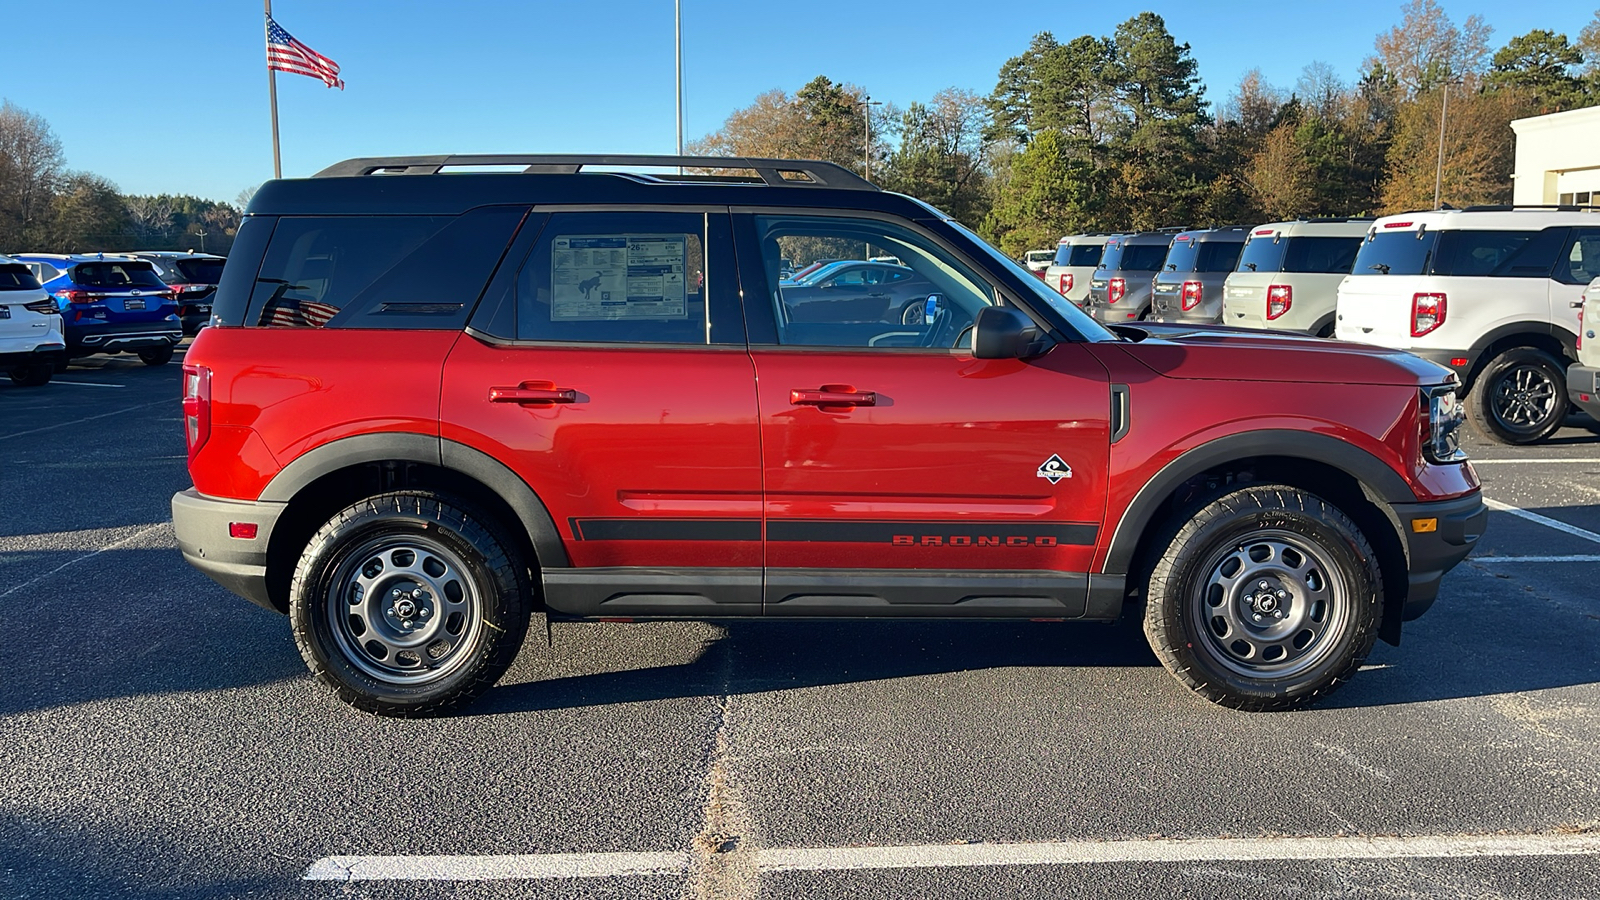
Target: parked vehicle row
x=1490, y=292
x=143, y=302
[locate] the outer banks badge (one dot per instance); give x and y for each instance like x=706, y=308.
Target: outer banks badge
x=1055, y=469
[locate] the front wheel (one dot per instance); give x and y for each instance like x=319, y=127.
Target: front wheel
x=1520, y=397
x=159, y=356
x=1267, y=598
x=408, y=604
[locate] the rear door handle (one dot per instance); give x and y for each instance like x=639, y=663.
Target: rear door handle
x=533, y=392
x=833, y=395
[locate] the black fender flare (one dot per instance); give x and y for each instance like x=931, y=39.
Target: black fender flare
x=1376, y=477
x=1534, y=330
x=434, y=451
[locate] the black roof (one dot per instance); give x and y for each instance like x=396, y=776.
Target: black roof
x=420, y=186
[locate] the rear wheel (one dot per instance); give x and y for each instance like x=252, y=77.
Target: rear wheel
x=1520, y=397
x=409, y=604
x=33, y=374
x=159, y=356
x=1267, y=598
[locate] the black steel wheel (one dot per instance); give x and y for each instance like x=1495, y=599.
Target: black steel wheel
x=408, y=604
x=1520, y=397
x=1265, y=598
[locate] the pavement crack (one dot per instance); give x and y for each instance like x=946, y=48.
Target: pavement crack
x=723, y=860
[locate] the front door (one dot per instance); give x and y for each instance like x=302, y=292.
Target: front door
x=903, y=476
x=618, y=386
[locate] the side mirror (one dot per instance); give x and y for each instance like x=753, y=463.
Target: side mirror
x=1004, y=333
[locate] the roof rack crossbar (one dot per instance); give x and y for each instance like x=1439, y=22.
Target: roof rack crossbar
x=770, y=171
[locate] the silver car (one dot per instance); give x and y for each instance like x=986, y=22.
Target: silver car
x=1188, y=289
x=1120, y=288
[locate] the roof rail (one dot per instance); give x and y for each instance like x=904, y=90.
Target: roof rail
x=771, y=171
x=1334, y=219
x=1512, y=207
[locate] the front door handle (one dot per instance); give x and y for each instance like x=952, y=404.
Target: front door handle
x=533, y=392
x=833, y=395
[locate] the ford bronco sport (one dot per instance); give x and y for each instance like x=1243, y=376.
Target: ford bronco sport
x=431, y=405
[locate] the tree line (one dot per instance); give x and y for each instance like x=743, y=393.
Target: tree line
x=1112, y=133
x=45, y=208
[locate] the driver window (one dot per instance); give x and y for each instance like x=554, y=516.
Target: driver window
x=923, y=298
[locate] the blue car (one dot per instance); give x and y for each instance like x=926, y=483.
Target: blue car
x=109, y=304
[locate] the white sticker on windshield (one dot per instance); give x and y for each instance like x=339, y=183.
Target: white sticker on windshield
x=618, y=276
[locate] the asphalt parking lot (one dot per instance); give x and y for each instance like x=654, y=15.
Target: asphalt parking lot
x=161, y=738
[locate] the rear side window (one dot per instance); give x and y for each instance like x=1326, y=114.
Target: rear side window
x=1086, y=255
x=1321, y=255
x=1396, y=253
x=1498, y=254
x=16, y=277
x=622, y=277
x=412, y=272
x=1262, y=254
x=118, y=274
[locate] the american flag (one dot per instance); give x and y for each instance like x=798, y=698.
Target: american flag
x=286, y=54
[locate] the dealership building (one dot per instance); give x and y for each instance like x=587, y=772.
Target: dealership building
x=1558, y=158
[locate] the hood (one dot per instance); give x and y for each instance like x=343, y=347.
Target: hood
x=1217, y=353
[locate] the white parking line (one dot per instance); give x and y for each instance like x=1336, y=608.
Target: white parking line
x=78, y=559
x=172, y=401
x=1533, y=559
x=88, y=383
x=1541, y=460
x=1520, y=513
x=925, y=856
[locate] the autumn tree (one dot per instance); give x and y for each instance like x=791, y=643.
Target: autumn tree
x=943, y=155
x=1427, y=48
x=1479, y=149
x=824, y=120
x=87, y=214
x=30, y=171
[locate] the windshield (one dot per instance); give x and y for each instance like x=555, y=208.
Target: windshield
x=201, y=271
x=1396, y=253
x=1189, y=255
x=1075, y=317
x=16, y=277
x=115, y=274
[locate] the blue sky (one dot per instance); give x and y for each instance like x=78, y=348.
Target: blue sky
x=170, y=96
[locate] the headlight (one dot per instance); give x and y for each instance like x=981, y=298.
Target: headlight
x=1441, y=417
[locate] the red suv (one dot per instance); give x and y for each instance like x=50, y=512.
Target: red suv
x=431, y=406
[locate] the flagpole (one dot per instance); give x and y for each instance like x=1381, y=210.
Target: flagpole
x=677, y=8
x=272, y=92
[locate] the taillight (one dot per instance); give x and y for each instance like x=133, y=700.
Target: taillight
x=196, y=407
x=1427, y=313
x=1065, y=284
x=48, y=306
x=1279, y=298
x=1116, y=289
x=75, y=296
x=1192, y=291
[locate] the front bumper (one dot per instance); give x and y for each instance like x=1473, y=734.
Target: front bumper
x=1437, y=548
x=1583, y=389
x=240, y=565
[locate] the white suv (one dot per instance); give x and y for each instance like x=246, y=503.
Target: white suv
x=1287, y=278
x=30, y=326
x=1077, y=256
x=1487, y=291
x=1583, y=377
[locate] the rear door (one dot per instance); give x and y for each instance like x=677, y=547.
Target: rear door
x=902, y=475
x=610, y=371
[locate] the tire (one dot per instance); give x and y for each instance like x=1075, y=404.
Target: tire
x=462, y=577
x=1520, y=397
x=60, y=364
x=1280, y=647
x=159, y=356
x=33, y=374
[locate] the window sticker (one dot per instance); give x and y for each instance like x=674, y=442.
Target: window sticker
x=618, y=276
